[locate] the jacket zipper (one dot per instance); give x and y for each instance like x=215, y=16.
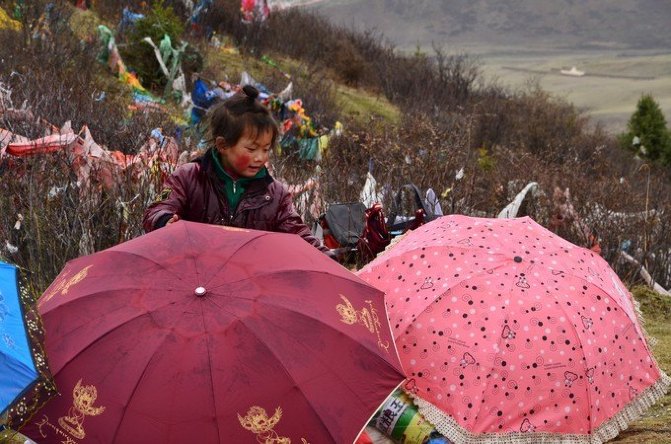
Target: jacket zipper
x=232, y=211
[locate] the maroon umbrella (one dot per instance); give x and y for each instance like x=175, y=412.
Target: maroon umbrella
x=204, y=334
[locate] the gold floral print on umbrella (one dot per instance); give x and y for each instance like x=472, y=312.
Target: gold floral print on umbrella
x=72, y=424
x=367, y=316
x=63, y=284
x=257, y=421
x=83, y=398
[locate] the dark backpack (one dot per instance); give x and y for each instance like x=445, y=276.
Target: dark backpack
x=343, y=224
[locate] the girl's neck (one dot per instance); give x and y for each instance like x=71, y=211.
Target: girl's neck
x=228, y=170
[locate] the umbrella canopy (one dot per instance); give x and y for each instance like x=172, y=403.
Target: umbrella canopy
x=202, y=333
x=505, y=329
x=25, y=381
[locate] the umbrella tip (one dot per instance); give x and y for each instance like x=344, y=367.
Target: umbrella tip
x=200, y=291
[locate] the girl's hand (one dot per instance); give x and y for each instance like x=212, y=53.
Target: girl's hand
x=174, y=218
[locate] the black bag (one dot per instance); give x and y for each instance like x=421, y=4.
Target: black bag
x=343, y=224
x=408, y=210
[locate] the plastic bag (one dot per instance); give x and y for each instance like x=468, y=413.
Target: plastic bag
x=375, y=236
x=408, y=210
x=399, y=419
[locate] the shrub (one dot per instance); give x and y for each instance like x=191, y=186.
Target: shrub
x=348, y=63
x=139, y=56
x=452, y=121
x=647, y=133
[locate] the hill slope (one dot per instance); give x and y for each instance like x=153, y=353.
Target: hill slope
x=577, y=24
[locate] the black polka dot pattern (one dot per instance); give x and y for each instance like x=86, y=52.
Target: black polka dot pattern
x=507, y=327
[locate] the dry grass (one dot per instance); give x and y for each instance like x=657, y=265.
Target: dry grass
x=655, y=425
x=361, y=106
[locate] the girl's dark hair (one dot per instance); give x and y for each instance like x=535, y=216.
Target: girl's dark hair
x=241, y=114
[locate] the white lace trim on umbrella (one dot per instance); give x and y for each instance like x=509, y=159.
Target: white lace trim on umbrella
x=446, y=425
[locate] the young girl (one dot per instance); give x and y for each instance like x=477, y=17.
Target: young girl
x=230, y=185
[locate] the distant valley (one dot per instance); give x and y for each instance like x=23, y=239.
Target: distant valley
x=623, y=45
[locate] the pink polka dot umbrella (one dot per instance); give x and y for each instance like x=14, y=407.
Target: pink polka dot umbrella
x=509, y=333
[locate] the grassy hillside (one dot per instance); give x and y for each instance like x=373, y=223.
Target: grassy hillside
x=355, y=104
x=655, y=425
x=413, y=118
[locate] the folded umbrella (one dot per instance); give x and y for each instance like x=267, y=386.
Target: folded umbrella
x=25, y=380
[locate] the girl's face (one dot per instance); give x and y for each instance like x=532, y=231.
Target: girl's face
x=247, y=157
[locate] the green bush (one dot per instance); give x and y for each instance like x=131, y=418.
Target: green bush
x=139, y=55
x=647, y=134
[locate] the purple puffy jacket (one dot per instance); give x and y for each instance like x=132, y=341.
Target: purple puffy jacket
x=192, y=193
